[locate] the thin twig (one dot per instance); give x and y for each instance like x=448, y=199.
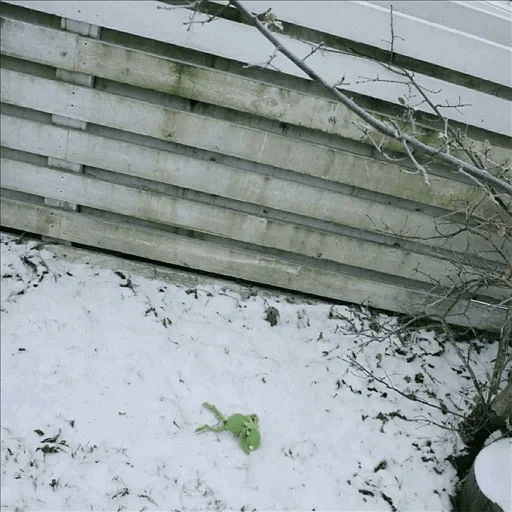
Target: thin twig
x=317, y=47
x=409, y=396
x=417, y=165
x=384, y=128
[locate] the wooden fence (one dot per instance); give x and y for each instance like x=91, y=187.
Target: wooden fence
x=126, y=127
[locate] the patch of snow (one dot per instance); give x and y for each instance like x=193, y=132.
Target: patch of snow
x=493, y=473
x=104, y=373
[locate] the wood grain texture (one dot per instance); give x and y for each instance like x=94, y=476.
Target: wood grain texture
x=190, y=253
x=231, y=225
x=469, y=17
x=416, y=38
x=253, y=177
x=62, y=50
x=226, y=138
x=245, y=44
x=347, y=210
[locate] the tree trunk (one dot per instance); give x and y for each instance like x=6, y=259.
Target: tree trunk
x=476, y=428
x=488, y=485
x=472, y=499
x=501, y=406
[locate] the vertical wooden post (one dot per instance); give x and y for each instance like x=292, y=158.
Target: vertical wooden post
x=87, y=30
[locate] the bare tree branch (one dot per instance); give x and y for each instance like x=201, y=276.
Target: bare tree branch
x=472, y=275
x=456, y=164
x=410, y=396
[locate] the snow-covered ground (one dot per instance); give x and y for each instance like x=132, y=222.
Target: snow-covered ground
x=104, y=374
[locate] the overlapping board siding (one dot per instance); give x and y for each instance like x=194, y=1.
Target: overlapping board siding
x=173, y=149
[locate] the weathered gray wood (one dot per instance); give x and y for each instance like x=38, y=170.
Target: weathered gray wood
x=168, y=274
x=343, y=209
x=199, y=255
x=31, y=136
x=73, y=77
x=28, y=178
x=315, y=191
x=242, y=43
x=229, y=138
x=221, y=181
x=351, y=20
x=477, y=18
x=40, y=44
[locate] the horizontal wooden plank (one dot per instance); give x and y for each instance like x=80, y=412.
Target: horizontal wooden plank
x=70, y=52
x=190, y=253
x=230, y=224
x=416, y=38
x=468, y=17
x=174, y=275
x=245, y=44
x=227, y=138
x=497, y=7
x=252, y=187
